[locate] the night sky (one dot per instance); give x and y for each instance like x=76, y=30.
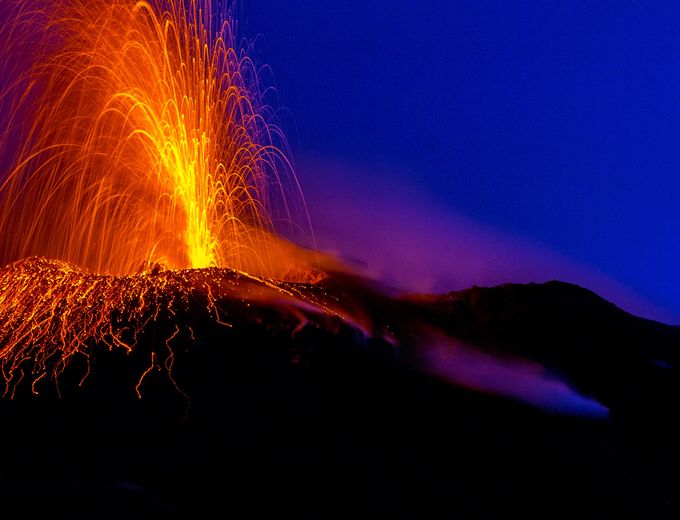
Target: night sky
x=551, y=125
x=443, y=144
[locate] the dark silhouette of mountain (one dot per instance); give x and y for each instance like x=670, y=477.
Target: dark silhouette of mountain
x=291, y=412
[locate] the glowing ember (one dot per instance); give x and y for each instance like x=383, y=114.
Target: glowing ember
x=53, y=312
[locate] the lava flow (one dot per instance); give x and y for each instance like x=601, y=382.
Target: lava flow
x=54, y=312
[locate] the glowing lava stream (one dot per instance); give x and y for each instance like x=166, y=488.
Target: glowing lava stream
x=53, y=312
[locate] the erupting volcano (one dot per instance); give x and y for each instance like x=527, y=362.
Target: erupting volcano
x=158, y=275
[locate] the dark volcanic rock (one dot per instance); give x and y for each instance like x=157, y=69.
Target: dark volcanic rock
x=312, y=418
x=604, y=350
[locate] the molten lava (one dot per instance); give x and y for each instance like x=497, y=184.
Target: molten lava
x=136, y=136
x=137, y=133
x=53, y=313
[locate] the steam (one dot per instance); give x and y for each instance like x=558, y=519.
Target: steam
x=381, y=222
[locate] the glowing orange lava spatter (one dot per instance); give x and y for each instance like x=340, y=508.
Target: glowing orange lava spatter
x=137, y=133
x=134, y=135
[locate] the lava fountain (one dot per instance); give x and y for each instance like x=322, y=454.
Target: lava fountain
x=136, y=136
x=143, y=138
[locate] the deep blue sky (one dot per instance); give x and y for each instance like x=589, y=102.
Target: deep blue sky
x=554, y=121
